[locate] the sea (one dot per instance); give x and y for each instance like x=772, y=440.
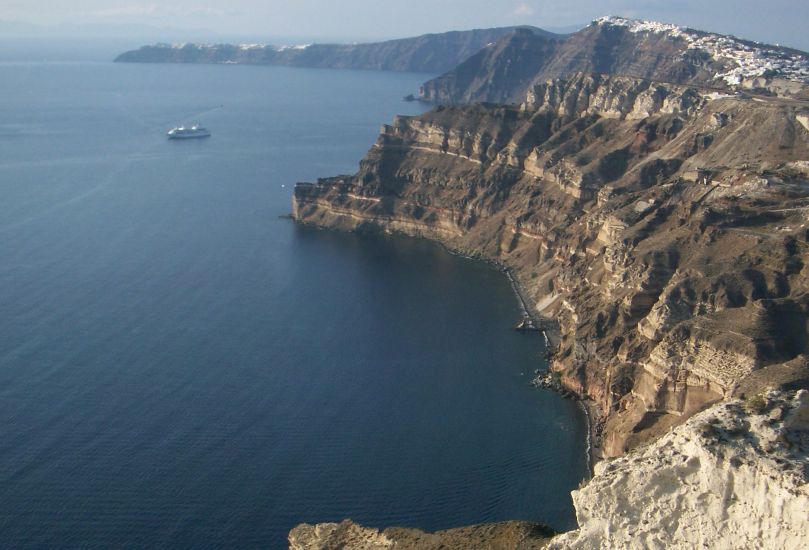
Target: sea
x=182, y=366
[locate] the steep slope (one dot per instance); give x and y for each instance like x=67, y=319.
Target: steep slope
x=663, y=227
x=498, y=73
x=734, y=476
x=504, y=72
x=433, y=53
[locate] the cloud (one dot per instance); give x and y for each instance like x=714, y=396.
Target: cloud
x=161, y=10
x=522, y=10
x=139, y=10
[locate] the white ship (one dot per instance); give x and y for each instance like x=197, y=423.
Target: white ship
x=181, y=132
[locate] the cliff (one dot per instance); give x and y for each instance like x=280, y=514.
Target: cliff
x=662, y=227
x=651, y=194
x=505, y=71
x=734, y=476
x=430, y=53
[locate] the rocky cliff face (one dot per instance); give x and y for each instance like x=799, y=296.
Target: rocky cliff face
x=430, y=53
x=663, y=227
x=734, y=476
x=504, y=72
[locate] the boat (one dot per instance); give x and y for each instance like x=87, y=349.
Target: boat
x=181, y=132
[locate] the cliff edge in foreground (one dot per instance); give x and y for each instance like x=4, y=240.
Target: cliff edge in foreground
x=512, y=535
x=733, y=476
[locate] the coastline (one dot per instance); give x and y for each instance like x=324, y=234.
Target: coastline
x=593, y=451
x=594, y=454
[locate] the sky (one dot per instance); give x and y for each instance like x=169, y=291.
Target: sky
x=775, y=21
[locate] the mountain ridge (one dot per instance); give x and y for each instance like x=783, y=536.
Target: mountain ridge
x=627, y=47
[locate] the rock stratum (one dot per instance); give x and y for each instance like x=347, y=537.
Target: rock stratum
x=429, y=53
x=504, y=72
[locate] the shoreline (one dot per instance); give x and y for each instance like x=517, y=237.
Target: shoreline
x=552, y=338
x=593, y=451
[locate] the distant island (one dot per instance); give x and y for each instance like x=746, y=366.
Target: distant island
x=429, y=53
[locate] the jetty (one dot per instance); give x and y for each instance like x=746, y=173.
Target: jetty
x=527, y=324
x=529, y=321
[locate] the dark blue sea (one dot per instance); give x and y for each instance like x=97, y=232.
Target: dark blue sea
x=181, y=366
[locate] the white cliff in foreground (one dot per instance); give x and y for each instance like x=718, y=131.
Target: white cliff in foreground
x=733, y=476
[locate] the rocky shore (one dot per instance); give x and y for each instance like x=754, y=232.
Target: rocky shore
x=549, y=380
x=552, y=381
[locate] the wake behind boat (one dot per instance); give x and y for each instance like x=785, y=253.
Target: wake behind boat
x=181, y=132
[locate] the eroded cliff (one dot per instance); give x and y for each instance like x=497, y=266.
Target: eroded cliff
x=734, y=476
x=663, y=227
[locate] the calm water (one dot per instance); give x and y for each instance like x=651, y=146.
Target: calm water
x=179, y=366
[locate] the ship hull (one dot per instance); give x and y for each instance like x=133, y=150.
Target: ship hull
x=189, y=136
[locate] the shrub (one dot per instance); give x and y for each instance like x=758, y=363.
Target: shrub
x=756, y=404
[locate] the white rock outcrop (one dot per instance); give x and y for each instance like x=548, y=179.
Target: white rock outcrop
x=733, y=476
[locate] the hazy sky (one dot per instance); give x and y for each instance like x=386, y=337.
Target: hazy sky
x=783, y=21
